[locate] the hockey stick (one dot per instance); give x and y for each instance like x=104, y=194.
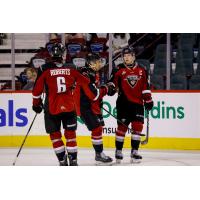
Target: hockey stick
x=24, y=140
x=122, y=123
x=26, y=136
x=145, y=141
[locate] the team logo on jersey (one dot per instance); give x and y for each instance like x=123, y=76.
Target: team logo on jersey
x=62, y=107
x=132, y=80
x=123, y=73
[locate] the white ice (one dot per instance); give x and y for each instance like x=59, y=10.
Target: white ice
x=46, y=157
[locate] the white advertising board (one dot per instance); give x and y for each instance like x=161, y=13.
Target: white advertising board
x=173, y=115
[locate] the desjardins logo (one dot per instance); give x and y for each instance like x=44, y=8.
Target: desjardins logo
x=159, y=111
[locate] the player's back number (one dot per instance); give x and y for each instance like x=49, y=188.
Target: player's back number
x=61, y=84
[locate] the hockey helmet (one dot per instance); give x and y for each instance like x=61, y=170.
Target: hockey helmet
x=92, y=58
x=94, y=61
x=128, y=50
x=56, y=50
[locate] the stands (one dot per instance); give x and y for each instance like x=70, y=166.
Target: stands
x=150, y=53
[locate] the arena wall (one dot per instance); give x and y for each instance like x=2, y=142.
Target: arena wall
x=174, y=122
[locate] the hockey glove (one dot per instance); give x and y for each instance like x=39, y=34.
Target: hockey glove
x=38, y=109
x=148, y=105
x=110, y=88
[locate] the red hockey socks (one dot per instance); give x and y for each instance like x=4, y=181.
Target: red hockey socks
x=120, y=135
x=97, y=140
x=71, y=143
x=58, y=145
x=135, y=138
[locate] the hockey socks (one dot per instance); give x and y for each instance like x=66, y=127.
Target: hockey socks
x=120, y=135
x=136, y=137
x=71, y=144
x=135, y=141
x=58, y=145
x=97, y=141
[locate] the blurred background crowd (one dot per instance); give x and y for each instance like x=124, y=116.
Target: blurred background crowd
x=31, y=51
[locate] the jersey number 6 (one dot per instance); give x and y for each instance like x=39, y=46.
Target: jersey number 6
x=61, y=84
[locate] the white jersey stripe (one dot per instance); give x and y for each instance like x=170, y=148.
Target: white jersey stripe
x=71, y=125
x=36, y=97
x=98, y=93
x=146, y=91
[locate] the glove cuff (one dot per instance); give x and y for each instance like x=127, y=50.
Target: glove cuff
x=148, y=101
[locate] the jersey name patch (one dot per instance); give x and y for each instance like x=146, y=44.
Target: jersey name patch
x=56, y=72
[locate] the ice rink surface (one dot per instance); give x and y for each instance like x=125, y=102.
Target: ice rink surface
x=46, y=157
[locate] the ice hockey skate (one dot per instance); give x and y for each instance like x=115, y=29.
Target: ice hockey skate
x=72, y=162
x=135, y=157
x=64, y=162
x=102, y=159
x=118, y=156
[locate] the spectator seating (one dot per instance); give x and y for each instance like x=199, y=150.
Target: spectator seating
x=178, y=82
x=184, y=66
x=187, y=38
x=160, y=60
x=144, y=63
x=157, y=82
x=194, y=82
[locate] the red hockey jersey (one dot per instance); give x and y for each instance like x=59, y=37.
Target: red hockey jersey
x=59, y=83
x=133, y=83
x=83, y=101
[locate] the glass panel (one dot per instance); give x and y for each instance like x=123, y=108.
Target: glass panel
x=150, y=51
x=31, y=52
x=185, y=61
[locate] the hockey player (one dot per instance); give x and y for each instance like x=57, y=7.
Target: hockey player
x=133, y=96
x=90, y=110
x=58, y=82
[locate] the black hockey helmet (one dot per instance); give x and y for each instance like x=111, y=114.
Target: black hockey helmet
x=128, y=50
x=56, y=50
x=92, y=57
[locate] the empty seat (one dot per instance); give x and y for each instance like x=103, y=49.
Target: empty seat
x=80, y=41
x=144, y=63
x=160, y=59
x=80, y=59
x=198, y=69
x=160, y=67
x=160, y=52
x=20, y=58
x=195, y=86
x=178, y=82
x=185, y=51
x=184, y=66
x=157, y=82
x=187, y=38
x=194, y=82
x=198, y=60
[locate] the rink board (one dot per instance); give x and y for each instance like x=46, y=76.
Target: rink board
x=109, y=142
x=174, y=122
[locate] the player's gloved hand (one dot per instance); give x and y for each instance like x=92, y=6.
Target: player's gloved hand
x=38, y=109
x=148, y=105
x=111, y=89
